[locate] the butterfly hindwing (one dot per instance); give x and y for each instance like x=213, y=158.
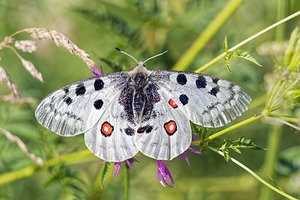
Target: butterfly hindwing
x=76, y=108
x=205, y=100
x=166, y=133
x=112, y=138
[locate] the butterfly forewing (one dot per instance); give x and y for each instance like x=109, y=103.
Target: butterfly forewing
x=205, y=100
x=76, y=108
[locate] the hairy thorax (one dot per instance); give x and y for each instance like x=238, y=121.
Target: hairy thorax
x=140, y=96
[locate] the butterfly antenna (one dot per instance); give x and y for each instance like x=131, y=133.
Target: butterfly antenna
x=127, y=54
x=155, y=56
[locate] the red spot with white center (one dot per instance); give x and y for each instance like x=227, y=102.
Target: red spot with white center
x=107, y=129
x=172, y=103
x=170, y=127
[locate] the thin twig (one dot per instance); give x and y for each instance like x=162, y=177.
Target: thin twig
x=255, y=175
x=22, y=146
x=221, y=56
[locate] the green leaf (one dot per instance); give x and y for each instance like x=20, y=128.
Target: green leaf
x=199, y=130
x=236, y=150
x=289, y=161
x=246, y=55
x=226, y=154
x=104, y=172
x=236, y=145
x=290, y=49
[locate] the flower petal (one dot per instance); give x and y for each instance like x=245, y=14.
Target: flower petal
x=194, y=151
x=185, y=156
x=163, y=174
x=129, y=164
x=117, y=169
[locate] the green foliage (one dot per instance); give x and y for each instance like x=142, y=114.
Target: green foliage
x=236, y=145
x=69, y=180
x=104, y=173
x=289, y=161
x=237, y=53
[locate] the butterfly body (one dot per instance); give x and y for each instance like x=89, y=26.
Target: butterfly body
x=123, y=113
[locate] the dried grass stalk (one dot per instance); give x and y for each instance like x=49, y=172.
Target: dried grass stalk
x=31, y=69
x=26, y=45
x=28, y=66
x=12, y=99
x=61, y=40
x=22, y=146
x=13, y=88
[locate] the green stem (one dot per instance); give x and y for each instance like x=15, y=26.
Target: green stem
x=30, y=170
x=235, y=126
x=281, y=13
x=255, y=175
x=222, y=56
x=206, y=35
x=271, y=159
x=126, y=183
x=286, y=118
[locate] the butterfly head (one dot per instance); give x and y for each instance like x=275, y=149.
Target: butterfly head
x=141, y=66
x=139, y=75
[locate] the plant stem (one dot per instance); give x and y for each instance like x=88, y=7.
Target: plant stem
x=274, y=135
x=256, y=176
x=281, y=13
x=206, y=35
x=271, y=159
x=222, y=56
x=126, y=183
x=235, y=126
x=30, y=170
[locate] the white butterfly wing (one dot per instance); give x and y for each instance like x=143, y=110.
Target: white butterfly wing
x=205, y=100
x=166, y=134
x=76, y=108
x=112, y=138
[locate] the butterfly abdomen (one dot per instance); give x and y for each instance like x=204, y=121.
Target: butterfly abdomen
x=139, y=102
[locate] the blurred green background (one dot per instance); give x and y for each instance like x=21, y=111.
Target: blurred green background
x=143, y=29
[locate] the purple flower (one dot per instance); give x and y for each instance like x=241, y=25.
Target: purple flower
x=96, y=71
x=117, y=168
x=185, y=156
x=163, y=174
x=118, y=164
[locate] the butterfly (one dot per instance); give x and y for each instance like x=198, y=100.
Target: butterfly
x=127, y=112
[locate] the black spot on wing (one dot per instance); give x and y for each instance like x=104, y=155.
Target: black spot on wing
x=98, y=104
x=181, y=79
x=214, y=91
x=98, y=84
x=149, y=129
x=80, y=89
x=68, y=100
x=146, y=129
x=129, y=131
x=183, y=99
x=201, y=82
x=66, y=90
x=141, y=130
x=215, y=80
